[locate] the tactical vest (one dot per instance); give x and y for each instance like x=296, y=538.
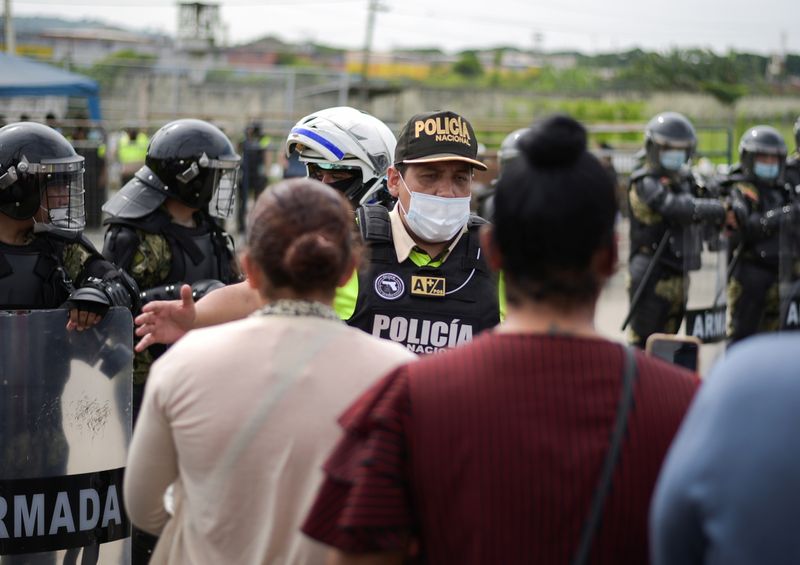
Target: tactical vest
x=427, y=309
x=684, y=246
x=202, y=252
x=199, y=261
x=32, y=276
x=792, y=174
x=764, y=249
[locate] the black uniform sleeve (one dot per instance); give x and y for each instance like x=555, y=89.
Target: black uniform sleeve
x=792, y=173
x=678, y=208
x=120, y=245
x=754, y=224
x=101, y=284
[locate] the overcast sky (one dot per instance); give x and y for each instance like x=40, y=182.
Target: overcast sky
x=763, y=26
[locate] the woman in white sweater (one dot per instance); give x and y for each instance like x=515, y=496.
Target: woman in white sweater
x=241, y=417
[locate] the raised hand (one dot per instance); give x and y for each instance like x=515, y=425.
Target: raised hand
x=165, y=321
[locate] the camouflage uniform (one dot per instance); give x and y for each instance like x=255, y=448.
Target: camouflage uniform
x=658, y=203
x=151, y=249
x=160, y=255
x=753, y=288
x=191, y=163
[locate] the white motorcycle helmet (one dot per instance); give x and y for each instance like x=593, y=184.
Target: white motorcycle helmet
x=347, y=140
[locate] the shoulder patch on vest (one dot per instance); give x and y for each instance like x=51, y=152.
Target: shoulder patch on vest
x=389, y=286
x=428, y=286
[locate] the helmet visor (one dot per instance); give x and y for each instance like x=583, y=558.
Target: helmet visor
x=62, y=198
x=223, y=198
x=335, y=172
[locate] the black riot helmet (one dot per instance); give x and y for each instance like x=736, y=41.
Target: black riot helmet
x=196, y=163
x=508, y=148
x=762, y=140
x=669, y=141
x=40, y=169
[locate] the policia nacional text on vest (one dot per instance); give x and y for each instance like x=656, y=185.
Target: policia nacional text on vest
x=427, y=309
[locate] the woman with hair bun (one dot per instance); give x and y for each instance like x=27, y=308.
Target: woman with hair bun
x=239, y=417
x=496, y=449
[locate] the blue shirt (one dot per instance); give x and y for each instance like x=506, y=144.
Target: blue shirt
x=729, y=491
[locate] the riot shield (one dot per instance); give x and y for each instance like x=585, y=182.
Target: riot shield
x=789, y=270
x=65, y=424
x=705, y=256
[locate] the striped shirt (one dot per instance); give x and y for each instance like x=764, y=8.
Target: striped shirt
x=490, y=453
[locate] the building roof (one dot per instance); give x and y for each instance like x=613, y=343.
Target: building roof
x=95, y=34
x=24, y=77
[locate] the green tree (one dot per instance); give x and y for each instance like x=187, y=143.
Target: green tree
x=468, y=65
x=497, y=65
x=121, y=63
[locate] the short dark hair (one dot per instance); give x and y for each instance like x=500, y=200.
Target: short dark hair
x=555, y=207
x=301, y=235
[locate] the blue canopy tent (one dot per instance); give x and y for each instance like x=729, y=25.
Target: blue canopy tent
x=23, y=77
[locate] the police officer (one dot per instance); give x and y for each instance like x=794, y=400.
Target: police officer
x=47, y=263
x=762, y=203
x=508, y=152
x=345, y=148
x=427, y=284
x=254, y=169
x=131, y=151
x=161, y=228
x=793, y=162
x=666, y=206
x=45, y=260
x=162, y=232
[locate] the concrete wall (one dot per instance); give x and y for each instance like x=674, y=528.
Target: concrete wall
x=278, y=99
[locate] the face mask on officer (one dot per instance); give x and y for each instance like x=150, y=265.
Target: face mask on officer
x=62, y=204
x=435, y=219
x=766, y=170
x=338, y=177
x=672, y=159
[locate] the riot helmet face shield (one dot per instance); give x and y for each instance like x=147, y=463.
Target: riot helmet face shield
x=672, y=159
x=209, y=182
x=62, y=200
x=50, y=193
x=223, y=199
x=766, y=167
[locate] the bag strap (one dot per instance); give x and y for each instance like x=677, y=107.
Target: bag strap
x=629, y=376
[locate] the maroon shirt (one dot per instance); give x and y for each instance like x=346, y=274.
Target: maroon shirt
x=490, y=453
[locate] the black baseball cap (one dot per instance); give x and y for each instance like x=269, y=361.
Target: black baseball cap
x=437, y=136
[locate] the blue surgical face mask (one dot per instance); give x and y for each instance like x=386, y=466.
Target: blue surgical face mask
x=766, y=171
x=435, y=219
x=672, y=159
